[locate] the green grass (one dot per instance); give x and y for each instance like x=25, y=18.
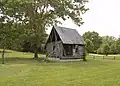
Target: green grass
x=20, y=69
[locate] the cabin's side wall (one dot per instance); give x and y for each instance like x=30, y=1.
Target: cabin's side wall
x=54, y=49
x=80, y=52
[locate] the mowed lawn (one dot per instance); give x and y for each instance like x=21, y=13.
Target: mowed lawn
x=20, y=69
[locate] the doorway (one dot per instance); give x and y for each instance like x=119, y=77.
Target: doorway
x=68, y=49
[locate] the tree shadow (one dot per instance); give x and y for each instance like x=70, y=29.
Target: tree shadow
x=6, y=51
x=18, y=60
x=29, y=61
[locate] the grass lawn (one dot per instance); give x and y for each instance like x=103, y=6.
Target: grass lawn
x=20, y=69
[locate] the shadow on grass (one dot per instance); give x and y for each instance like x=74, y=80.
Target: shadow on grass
x=6, y=51
x=18, y=60
x=40, y=61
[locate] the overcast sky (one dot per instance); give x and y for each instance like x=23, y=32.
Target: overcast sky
x=103, y=17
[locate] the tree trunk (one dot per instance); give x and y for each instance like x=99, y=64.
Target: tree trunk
x=106, y=54
x=3, y=52
x=35, y=52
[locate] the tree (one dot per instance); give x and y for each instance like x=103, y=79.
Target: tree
x=94, y=38
x=89, y=46
x=8, y=35
x=36, y=15
x=118, y=45
x=106, y=49
x=113, y=48
x=108, y=46
x=100, y=50
x=108, y=39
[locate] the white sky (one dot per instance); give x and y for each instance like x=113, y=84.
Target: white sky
x=103, y=17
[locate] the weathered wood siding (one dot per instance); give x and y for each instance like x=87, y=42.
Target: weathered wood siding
x=80, y=51
x=54, y=49
x=75, y=54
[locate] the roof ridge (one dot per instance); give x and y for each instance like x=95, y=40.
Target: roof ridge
x=65, y=27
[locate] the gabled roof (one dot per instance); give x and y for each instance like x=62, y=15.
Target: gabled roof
x=69, y=36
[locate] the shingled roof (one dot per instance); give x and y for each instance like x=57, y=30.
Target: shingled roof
x=69, y=36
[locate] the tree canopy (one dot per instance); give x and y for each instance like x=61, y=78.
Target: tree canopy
x=101, y=44
x=95, y=39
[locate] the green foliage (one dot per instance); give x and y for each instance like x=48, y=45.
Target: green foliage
x=101, y=45
x=118, y=45
x=7, y=35
x=100, y=50
x=106, y=49
x=108, y=39
x=109, y=45
x=113, y=48
x=95, y=39
x=89, y=46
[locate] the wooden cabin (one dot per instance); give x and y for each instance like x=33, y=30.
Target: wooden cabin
x=65, y=43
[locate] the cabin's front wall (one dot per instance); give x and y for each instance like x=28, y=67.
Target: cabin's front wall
x=57, y=49
x=54, y=49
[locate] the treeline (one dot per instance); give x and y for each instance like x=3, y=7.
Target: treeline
x=101, y=44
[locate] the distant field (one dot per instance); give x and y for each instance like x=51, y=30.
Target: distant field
x=20, y=69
